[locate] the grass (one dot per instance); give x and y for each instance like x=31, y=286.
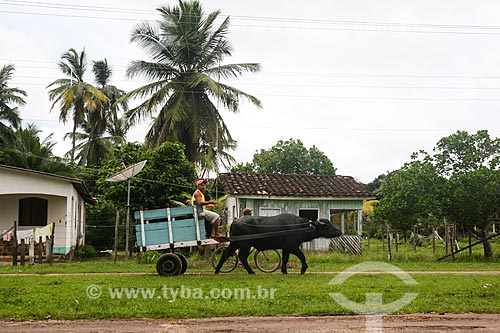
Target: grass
x=26, y=296
x=65, y=297
x=405, y=258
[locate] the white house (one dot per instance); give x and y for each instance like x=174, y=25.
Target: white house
x=35, y=199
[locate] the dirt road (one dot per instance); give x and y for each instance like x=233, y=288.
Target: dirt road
x=413, y=323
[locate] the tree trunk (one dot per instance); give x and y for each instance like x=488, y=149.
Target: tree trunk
x=74, y=142
x=488, y=250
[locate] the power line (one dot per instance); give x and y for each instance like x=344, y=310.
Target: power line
x=301, y=85
x=322, y=128
x=249, y=18
x=385, y=26
x=320, y=74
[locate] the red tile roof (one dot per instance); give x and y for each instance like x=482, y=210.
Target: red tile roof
x=292, y=185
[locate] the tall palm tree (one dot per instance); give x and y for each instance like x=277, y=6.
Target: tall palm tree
x=186, y=51
x=93, y=143
x=116, y=125
x=73, y=94
x=10, y=99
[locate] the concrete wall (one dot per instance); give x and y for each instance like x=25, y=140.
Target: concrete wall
x=65, y=207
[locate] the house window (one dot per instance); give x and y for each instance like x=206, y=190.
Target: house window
x=309, y=213
x=268, y=211
x=32, y=212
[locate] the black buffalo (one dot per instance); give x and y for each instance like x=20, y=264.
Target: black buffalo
x=289, y=232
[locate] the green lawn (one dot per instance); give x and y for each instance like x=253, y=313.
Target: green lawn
x=75, y=296
x=70, y=296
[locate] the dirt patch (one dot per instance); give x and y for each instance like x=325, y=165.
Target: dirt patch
x=412, y=323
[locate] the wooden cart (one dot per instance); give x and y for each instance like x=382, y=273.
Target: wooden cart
x=170, y=229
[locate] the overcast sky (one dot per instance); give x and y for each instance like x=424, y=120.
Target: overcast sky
x=366, y=82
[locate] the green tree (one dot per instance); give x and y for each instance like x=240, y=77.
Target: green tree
x=74, y=94
x=375, y=186
x=473, y=202
x=103, y=128
x=10, y=99
x=29, y=152
x=412, y=194
x=167, y=175
x=471, y=162
x=93, y=146
x=462, y=152
x=187, y=51
x=289, y=157
x=116, y=123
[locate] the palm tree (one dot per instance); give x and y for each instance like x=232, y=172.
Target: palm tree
x=10, y=98
x=29, y=152
x=73, y=94
x=185, y=71
x=116, y=126
x=93, y=144
x=93, y=147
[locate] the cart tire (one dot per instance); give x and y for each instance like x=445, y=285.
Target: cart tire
x=169, y=264
x=184, y=263
x=267, y=261
x=230, y=264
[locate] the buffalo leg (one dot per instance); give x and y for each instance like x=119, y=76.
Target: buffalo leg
x=244, y=252
x=299, y=254
x=284, y=260
x=228, y=251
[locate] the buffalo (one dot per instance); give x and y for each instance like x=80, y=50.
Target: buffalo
x=284, y=231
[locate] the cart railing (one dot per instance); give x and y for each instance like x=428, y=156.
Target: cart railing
x=169, y=228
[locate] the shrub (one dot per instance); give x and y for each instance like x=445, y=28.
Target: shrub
x=86, y=252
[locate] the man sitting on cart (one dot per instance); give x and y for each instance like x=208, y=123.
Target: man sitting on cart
x=210, y=216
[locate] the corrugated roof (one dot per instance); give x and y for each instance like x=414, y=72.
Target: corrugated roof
x=292, y=185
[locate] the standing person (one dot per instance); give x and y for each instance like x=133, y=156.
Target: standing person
x=210, y=216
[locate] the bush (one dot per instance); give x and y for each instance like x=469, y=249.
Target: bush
x=86, y=252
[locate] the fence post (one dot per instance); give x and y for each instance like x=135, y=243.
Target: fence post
x=389, y=253
x=470, y=243
x=414, y=239
x=14, y=247
x=23, y=251
x=450, y=238
x=40, y=250
x=50, y=246
x=31, y=251
x=115, y=245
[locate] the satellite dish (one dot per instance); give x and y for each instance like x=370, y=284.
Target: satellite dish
x=127, y=173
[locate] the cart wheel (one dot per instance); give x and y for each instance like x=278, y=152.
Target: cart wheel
x=230, y=263
x=169, y=264
x=267, y=261
x=184, y=263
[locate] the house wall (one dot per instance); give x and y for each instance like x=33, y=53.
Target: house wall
x=293, y=205
x=63, y=204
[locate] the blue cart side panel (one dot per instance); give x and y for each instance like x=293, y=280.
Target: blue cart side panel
x=182, y=231
x=157, y=214
x=156, y=226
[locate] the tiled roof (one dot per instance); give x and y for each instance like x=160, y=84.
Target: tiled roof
x=292, y=185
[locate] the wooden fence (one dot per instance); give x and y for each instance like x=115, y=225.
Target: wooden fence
x=33, y=248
